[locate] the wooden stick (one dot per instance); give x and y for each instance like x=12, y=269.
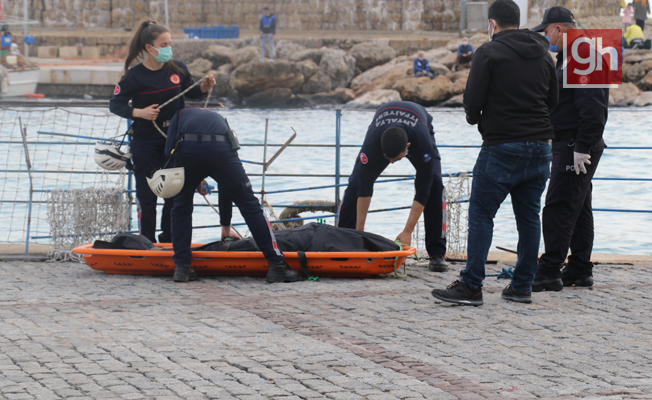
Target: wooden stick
x=278, y=153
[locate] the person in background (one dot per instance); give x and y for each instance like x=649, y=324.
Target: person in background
x=464, y=53
x=628, y=12
x=6, y=40
x=641, y=10
x=422, y=67
x=267, y=32
x=511, y=88
x=141, y=89
x=633, y=37
x=579, y=120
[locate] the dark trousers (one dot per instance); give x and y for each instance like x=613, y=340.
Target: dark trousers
x=434, y=214
x=568, y=215
x=463, y=60
x=217, y=160
x=148, y=155
x=641, y=23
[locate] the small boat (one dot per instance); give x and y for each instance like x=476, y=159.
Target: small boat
x=18, y=79
x=250, y=263
x=18, y=76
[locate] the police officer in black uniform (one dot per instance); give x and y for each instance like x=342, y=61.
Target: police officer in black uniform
x=148, y=85
x=399, y=129
x=578, y=120
x=207, y=149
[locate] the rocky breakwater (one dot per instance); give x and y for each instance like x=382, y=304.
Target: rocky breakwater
x=365, y=76
x=636, y=89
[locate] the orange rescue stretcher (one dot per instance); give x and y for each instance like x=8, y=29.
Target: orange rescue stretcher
x=159, y=262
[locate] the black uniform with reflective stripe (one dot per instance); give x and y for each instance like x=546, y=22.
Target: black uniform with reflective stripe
x=145, y=87
x=219, y=161
x=423, y=155
x=194, y=121
x=416, y=121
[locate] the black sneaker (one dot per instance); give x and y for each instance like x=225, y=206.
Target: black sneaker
x=184, y=273
x=281, y=272
x=542, y=283
x=438, y=263
x=586, y=281
x=511, y=295
x=459, y=292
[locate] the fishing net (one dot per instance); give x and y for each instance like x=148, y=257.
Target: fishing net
x=458, y=190
x=80, y=216
x=38, y=199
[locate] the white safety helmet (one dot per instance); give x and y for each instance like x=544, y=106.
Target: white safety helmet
x=109, y=156
x=168, y=182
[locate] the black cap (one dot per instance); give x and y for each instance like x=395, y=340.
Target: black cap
x=554, y=15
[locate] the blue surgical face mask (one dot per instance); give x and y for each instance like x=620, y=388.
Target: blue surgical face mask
x=164, y=54
x=552, y=47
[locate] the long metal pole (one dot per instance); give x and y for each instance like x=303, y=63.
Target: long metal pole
x=25, y=29
x=463, y=16
x=129, y=177
x=167, y=18
x=338, y=134
x=23, y=132
x=262, y=190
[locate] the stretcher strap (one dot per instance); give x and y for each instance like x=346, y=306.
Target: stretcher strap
x=404, y=275
x=303, y=261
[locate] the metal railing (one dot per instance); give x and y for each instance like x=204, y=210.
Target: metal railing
x=336, y=175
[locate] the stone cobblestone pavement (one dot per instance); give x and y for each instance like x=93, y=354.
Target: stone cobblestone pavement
x=69, y=332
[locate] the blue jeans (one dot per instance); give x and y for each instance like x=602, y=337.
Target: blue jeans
x=520, y=169
x=269, y=38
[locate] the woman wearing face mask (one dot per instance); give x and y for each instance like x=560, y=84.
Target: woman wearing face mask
x=147, y=85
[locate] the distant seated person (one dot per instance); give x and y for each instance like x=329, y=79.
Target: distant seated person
x=634, y=38
x=5, y=40
x=464, y=53
x=422, y=67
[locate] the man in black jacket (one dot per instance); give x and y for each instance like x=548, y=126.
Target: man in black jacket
x=579, y=120
x=511, y=87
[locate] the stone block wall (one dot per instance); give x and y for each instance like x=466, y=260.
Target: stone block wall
x=581, y=8
x=394, y=15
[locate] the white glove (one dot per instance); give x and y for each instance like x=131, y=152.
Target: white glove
x=579, y=160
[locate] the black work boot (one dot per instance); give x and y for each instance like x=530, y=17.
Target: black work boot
x=542, y=283
x=184, y=273
x=438, y=263
x=577, y=279
x=279, y=271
